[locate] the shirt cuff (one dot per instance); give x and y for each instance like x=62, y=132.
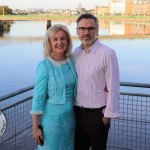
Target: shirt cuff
x=109, y=114
x=36, y=112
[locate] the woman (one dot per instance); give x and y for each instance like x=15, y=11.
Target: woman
x=54, y=92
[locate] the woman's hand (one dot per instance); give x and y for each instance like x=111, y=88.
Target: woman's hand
x=37, y=135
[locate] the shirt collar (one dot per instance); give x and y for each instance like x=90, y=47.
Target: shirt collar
x=93, y=47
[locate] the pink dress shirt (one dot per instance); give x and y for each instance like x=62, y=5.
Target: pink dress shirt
x=97, y=70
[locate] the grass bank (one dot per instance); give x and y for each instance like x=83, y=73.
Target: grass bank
x=69, y=18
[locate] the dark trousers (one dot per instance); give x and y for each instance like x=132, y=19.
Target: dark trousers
x=90, y=129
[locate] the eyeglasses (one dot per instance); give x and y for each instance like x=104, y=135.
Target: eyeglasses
x=83, y=29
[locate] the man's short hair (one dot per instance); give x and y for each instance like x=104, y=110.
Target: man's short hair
x=87, y=16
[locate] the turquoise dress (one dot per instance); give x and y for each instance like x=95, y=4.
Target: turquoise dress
x=53, y=99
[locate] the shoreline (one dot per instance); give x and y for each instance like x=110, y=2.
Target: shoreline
x=72, y=18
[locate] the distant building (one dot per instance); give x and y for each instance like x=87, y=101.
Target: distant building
x=117, y=7
x=79, y=7
x=141, y=1
x=67, y=12
x=74, y=12
x=129, y=7
x=103, y=10
x=141, y=7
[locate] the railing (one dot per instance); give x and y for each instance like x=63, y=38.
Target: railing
x=18, y=135
x=130, y=132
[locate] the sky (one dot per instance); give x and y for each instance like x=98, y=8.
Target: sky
x=53, y=4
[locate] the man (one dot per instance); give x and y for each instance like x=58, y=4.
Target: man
x=97, y=98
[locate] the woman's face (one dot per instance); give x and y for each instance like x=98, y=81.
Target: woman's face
x=59, y=42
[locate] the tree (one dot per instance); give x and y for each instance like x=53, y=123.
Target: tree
x=83, y=10
x=5, y=10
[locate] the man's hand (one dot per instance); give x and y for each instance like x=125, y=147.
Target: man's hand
x=106, y=121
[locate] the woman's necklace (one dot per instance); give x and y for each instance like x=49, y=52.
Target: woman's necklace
x=58, y=62
x=57, y=58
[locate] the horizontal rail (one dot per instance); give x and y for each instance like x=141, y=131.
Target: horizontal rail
x=17, y=103
x=129, y=84
x=133, y=120
x=16, y=93
x=16, y=134
x=135, y=94
x=118, y=147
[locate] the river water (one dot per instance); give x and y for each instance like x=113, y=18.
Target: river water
x=21, y=50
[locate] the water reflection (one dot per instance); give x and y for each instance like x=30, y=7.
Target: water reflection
x=21, y=50
x=106, y=28
x=125, y=28
x=4, y=26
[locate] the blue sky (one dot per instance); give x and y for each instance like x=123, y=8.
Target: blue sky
x=52, y=4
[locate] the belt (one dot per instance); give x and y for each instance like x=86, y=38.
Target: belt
x=82, y=109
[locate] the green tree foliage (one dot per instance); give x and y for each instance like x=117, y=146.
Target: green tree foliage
x=5, y=10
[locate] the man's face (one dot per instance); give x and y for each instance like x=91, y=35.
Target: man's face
x=87, y=32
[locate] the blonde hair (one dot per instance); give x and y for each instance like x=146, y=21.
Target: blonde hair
x=49, y=35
